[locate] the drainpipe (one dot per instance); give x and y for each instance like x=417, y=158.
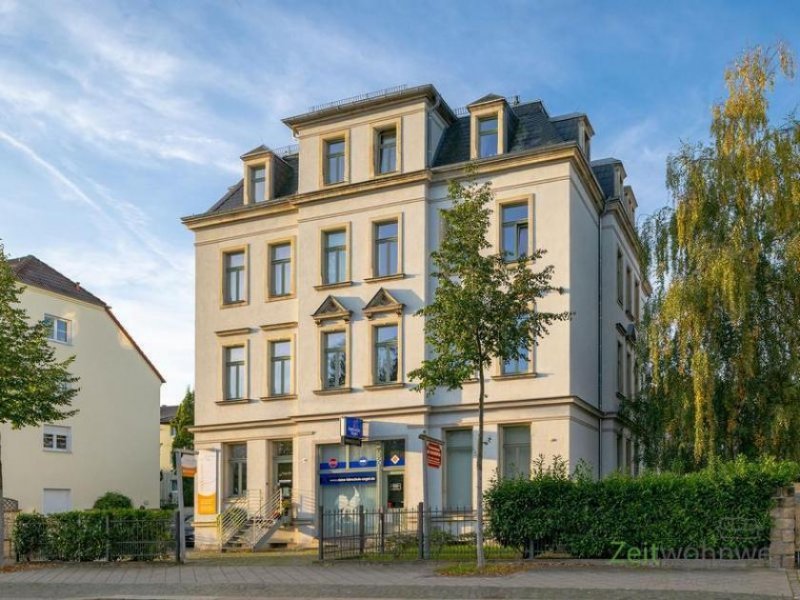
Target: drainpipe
x=600, y=339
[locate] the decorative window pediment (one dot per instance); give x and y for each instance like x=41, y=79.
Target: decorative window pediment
x=331, y=310
x=383, y=302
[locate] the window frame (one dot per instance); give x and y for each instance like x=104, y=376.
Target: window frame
x=378, y=129
x=323, y=236
x=504, y=444
x=325, y=141
x=56, y=431
x=379, y=322
x=620, y=282
x=446, y=471
x=500, y=204
x=481, y=134
x=325, y=331
x=375, y=223
x=628, y=290
x=52, y=333
x=620, y=368
x=637, y=298
x=272, y=359
x=240, y=465
x=496, y=110
x=251, y=174
x=225, y=363
x=292, y=261
x=224, y=254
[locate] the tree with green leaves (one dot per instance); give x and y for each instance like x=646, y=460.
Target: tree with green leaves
x=722, y=329
x=184, y=440
x=35, y=388
x=483, y=309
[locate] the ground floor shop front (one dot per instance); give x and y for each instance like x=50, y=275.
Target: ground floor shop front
x=308, y=466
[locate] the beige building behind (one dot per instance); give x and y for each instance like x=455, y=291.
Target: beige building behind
x=111, y=444
x=310, y=271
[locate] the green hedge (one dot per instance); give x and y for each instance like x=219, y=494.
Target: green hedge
x=722, y=507
x=95, y=535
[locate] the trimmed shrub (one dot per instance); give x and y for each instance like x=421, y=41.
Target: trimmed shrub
x=112, y=500
x=132, y=534
x=723, y=506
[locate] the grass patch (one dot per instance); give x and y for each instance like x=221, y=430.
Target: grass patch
x=490, y=570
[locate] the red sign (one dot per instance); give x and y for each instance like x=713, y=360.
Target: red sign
x=433, y=454
x=333, y=463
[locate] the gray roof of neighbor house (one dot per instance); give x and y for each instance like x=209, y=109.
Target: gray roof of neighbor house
x=168, y=413
x=603, y=170
x=530, y=127
x=31, y=271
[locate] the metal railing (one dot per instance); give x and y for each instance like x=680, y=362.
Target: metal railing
x=232, y=520
x=393, y=534
x=247, y=520
x=359, y=98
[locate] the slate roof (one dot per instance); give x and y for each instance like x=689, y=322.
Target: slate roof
x=29, y=270
x=604, y=172
x=32, y=271
x=168, y=413
x=530, y=127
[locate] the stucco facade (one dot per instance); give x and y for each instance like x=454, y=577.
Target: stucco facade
x=112, y=443
x=555, y=405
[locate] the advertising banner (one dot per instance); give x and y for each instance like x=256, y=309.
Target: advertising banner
x=207, y=482
x=188, y=465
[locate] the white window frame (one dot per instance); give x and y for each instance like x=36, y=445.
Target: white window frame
x=55, y=432
x=53, y=329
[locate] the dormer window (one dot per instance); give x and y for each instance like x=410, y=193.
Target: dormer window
x=334, y=161
x=258, y=178
x=387, y=151
x=487, y=136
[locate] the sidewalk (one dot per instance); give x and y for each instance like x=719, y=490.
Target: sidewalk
x=396, y=580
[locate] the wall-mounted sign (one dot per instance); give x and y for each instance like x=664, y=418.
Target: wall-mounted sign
x=188, y=465
x=332, y=463
x=353, y=478
x=207, y=483
x=352, y=430
x=433, y=454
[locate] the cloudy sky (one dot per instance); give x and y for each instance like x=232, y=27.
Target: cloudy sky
x=118, y=118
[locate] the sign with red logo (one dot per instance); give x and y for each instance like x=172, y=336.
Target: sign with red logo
x=333, y=463
x=433, y=454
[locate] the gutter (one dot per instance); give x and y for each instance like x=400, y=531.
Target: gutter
x=600, y=341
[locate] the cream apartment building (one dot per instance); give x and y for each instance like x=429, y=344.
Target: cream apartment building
x=311, y=268
x=112, y=443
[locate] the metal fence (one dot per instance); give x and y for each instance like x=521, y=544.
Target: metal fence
x=392, y=534
x=86, y=538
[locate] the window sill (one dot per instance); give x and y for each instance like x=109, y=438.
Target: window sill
x=380, y=175
x=240, y=401
x=281, y=397
x=234, y=304
x=385, y=386
x=55, y=451
x=333, y=184
x=333, y=391
x=512, y=376
x=385, y=278
x=333, y=286
x=278, y=298
x=59, y=342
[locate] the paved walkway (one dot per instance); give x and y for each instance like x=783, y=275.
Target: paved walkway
x=397, y=580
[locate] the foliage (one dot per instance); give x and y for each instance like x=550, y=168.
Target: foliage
x=722, y=506
x=112, y=500
x=184, y=419
x=35, y=388
x=720, y=330
x=484, y=307
x=95, y=535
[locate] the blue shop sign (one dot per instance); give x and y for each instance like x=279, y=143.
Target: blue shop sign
x=352, y=430
x=348, y=478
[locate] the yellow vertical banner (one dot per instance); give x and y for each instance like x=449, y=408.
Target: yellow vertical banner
x=206, y=482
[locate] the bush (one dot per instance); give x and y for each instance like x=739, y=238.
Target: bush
x=723, y=506
x=95, y=535
x=112, y=500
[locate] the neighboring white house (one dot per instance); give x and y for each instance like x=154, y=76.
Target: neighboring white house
x=311, y=268
x=112, y=443
x=166, y=433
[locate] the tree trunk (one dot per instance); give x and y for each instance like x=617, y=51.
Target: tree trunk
x=481, y=560
x=2, y=514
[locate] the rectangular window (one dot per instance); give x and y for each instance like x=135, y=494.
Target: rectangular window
x=334, y=161
x=334, y=258
x=335, y=359
x=636, y=300
x=620, y=375
x=515, y=231
x=58, y=329
x=637, y=378
x=57, y=439
x=387, y=151
x=234, y=372
x=516, y=451
x=386, y=249
x=234, y=275
x=280, y=368
x=628, y=290
x=458, y=479
x=257, y=184
x=487, y=137
x=281, y=269
x=519, y=365
x=619, y=277
x=628, y=374
x=386, y=354
x=237, y=469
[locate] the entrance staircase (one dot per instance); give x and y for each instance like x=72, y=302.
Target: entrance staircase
x=247, y=523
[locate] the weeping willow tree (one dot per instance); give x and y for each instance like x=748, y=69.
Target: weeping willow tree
x=722, y=328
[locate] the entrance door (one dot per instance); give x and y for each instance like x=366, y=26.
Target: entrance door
x=56, y=501
x=394, y=490
x=283, y=471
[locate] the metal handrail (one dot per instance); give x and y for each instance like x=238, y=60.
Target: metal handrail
x=268, y=514
x=232, y=520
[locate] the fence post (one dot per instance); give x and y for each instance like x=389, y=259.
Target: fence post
x=382, y=529
x=108, y=538
x=178, y=536
x=421, y=529
x=321, y=532
x=361, y=530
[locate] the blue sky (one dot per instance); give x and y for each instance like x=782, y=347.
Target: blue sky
x=118, y=118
